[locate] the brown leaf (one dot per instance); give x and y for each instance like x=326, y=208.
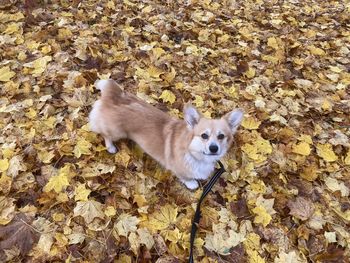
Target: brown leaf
x=167, y=259
x=18, y=233
x=239, y=208
x=237, y=255
x=242, y=67
x=316, y=244
x=333, y=254
x=159, y=244
x=301, y=208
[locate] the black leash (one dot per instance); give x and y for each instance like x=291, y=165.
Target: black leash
x=197, y=214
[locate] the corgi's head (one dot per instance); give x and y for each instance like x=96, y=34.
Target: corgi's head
x=211, y=137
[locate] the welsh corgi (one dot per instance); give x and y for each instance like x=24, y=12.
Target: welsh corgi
x=189, y=148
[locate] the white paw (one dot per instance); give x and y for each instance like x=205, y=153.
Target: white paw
x=202, y=176
x=191, y=184
x=112, y=149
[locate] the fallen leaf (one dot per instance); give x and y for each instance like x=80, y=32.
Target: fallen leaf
x=301, y=208
x=251, y=123
x=89, y=210
x=38, y=66
x=126, y=224
x=82, y=147
x=168, y=96
x=57, y=182
x=334, y=185
x=4, y=165
x=6, y=74
x=326, y=152
x=302, y=148
x=81, y=193
x=261, y=216
x=18, y=233
x=162, y=219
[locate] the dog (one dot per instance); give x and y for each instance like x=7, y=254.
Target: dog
x=189, y=148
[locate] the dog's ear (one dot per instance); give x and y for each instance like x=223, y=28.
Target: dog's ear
x=191, y=115
x=234, y=119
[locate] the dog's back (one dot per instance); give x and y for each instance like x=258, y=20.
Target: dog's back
x=118, y=114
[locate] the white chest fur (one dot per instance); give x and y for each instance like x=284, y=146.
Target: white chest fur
x=199, y=169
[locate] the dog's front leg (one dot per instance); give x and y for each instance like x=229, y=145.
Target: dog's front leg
x=110, y=146
x=190, y=184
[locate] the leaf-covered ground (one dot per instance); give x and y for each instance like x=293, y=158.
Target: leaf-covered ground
x=285, y=197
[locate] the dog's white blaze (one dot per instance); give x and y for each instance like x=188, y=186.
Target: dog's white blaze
x=197, y=145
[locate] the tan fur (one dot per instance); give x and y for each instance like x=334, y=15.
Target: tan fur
x=168, y=140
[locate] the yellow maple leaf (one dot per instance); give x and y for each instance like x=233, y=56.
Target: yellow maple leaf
x=172, y=235
x=250, y=123
x=221, y=242
x=168, y=96
x=258, y=150
x=198, y=101
x=335, y=69
x=5, y=183
x=250, y=73
x=4, y=165
x=110, y=211
x=81, y=193
x=140, y=200
x=272, y=42
x=145, y=237
x=261, y=216
x=162, y=219
x=169, y=76
x=154, y=72
x=347, y=158
x=123, y=258
x=46, y=156
x=64, y=33
x=305, y=138
x=258, y=186
x=301, y=148
x=325, y=151
x=254, y=257
x=31, y=114
x=38, y=66
x=32, y=45
x=122, y=158
x=57, y=183
x=89, y=210
x=158, y=52
x=12, y=28
x=6, y=74
x=58, y=217
x=110, y=5
x=316, y=51
x=335, y=185
x=126, y=224
x=6, y=17
x=309, y=173
x=82, y=147
x=326, y=105
x=252, y=242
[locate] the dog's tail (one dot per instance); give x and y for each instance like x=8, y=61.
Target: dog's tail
x=110, y=90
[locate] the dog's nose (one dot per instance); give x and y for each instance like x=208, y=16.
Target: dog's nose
x=213, y=148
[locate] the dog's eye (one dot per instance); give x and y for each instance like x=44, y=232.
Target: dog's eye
x=204, y=136
x=221, y=136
